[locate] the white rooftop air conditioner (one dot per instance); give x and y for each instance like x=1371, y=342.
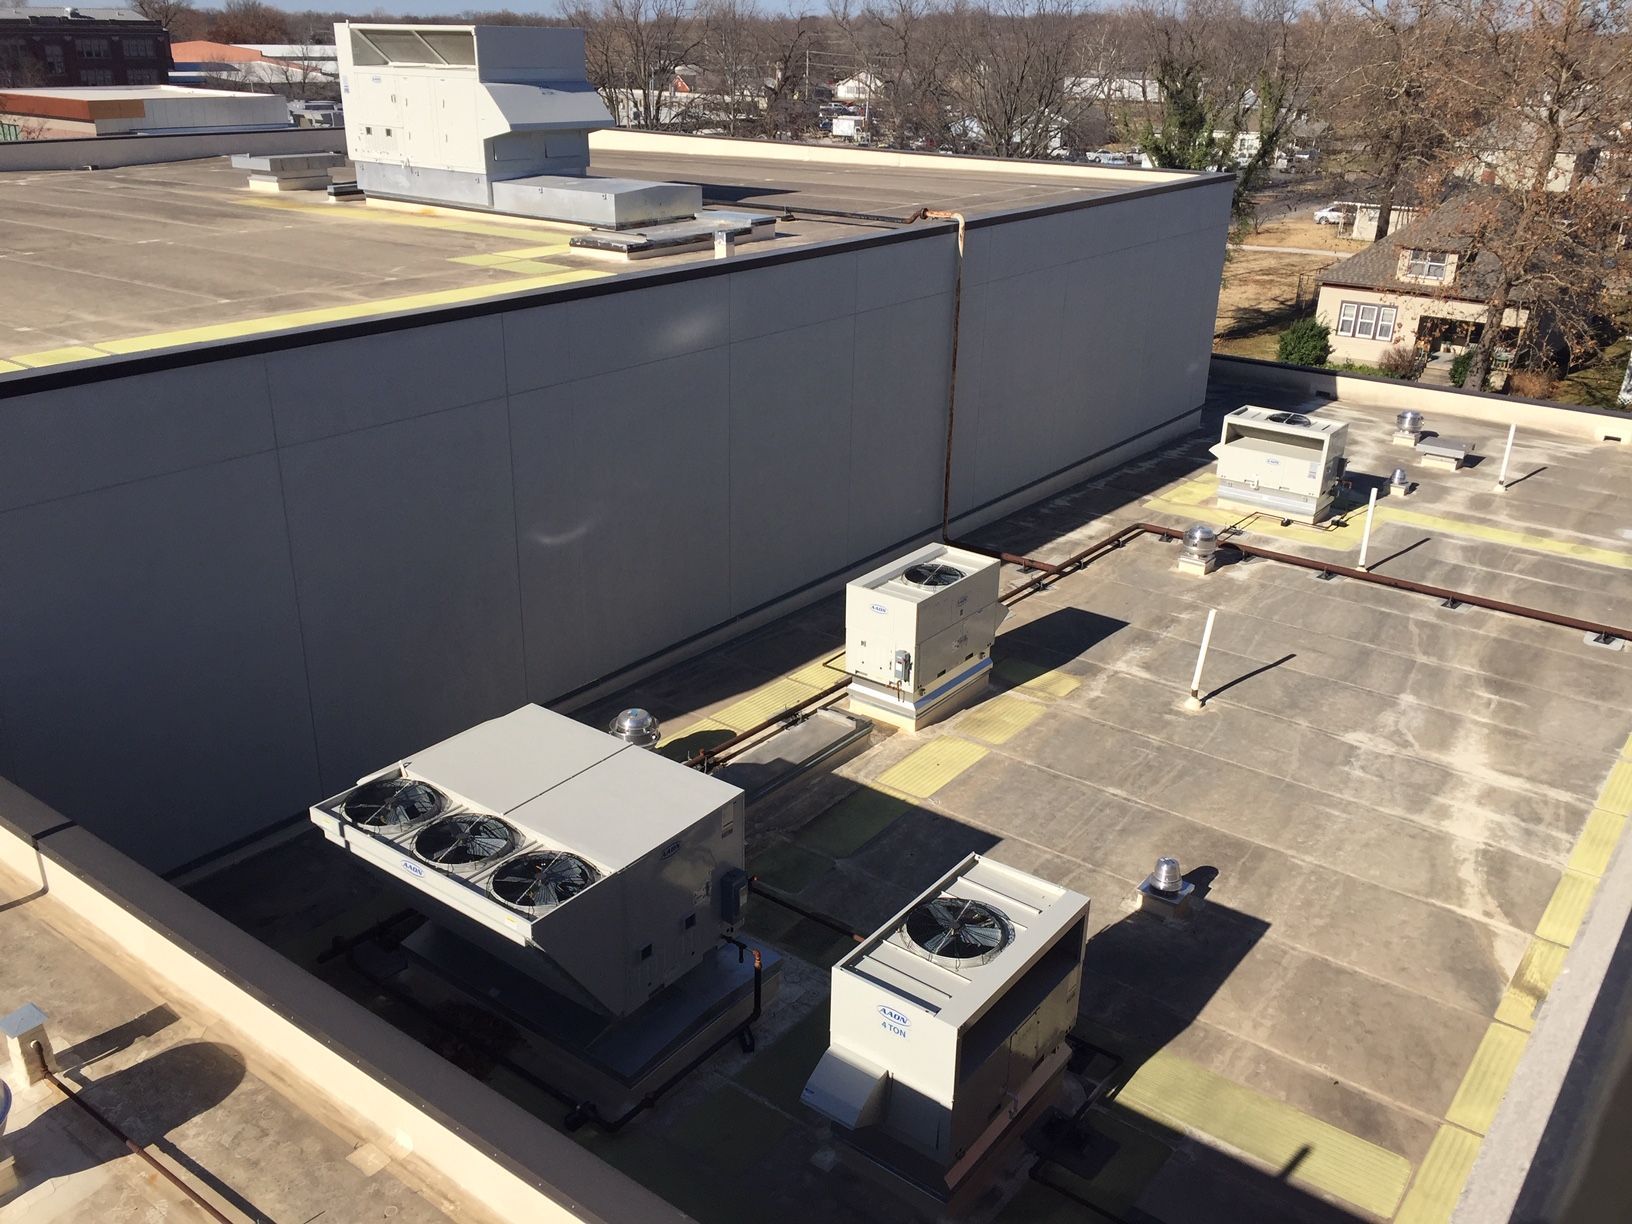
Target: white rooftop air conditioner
x=1282, y=463
x=949, y=1024
x=618, y=868
x=919, y=633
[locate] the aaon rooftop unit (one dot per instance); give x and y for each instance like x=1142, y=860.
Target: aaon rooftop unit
x=949, y=1028
x=1282, y=463
x=918, y=634
x=578, y=885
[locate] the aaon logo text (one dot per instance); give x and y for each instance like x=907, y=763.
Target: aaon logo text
x=413, y=869
x=894, y=1022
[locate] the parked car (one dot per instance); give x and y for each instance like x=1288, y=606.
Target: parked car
x=1332, y=214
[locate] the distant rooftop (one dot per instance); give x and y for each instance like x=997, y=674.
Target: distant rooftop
x=147, y=257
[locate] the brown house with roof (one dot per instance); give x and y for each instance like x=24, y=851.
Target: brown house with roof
x=1426, y=286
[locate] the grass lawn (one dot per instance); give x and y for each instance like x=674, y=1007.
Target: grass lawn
x=1597, y=385
x=1262, y=293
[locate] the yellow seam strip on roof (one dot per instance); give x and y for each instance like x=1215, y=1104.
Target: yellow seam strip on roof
x=1597, y=842
x=1175, y=1092
x=1501, y=535
x=10, y=367
x=927, y=769
x=824, y=673
x=764, y=703
x=1531, y=981
x=1616, y=797
x=335, y=314
x=1195, y=497
x=57, y=356
x=1485, y=1083
x=1440, y=1178
x=1568, y=907
x=999, y=719
x=352, y=212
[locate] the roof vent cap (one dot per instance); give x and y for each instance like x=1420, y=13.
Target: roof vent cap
x=637, y=727
x=1200, y=542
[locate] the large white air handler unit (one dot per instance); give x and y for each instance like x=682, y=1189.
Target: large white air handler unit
x=1282, y=463
x=919, y=632
x=582, y=886
x=950, y=1026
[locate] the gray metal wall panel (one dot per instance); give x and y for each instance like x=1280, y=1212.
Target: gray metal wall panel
x=898, y=424
x=154, y=688
x=789, y=295
x=906, y=271
x=675, y=455
x=405, y=563
x=581, y=339
x=329, y=389
x=790, y=458
x=156, y=423
x=623, y=515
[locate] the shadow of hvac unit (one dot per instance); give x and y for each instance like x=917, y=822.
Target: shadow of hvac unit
x=949, y=1030
x=1282, y=463
x=582, y=888
x=918, y=634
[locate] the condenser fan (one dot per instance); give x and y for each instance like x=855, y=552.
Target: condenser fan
x=1289, y=418
x=393, y=803
x=955, y=931
x=933, y=574
x=459, y=841
x=538, y=881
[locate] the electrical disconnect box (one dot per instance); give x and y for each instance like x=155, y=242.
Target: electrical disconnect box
x=919, y=633
x=1282, y=463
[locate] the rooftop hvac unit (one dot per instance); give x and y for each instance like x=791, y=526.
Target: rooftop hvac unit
x=1282, y=463
x=919, y=632
x=566, y=865
x=949, y=1026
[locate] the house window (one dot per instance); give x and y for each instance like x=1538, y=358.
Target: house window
x=1426, y=265
x=92, y=48
x=137, y=48
x=1366, y=321
x=143, y=76
x=53, y=61
x=96, y=76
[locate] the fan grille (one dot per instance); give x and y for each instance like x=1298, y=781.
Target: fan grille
x=1289, y=418
x=393, y=803
x=538, y=881
x=459, y=841
x=957, y=931
x=933, y=574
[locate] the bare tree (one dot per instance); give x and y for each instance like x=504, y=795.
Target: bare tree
x=634, y=49
x=1403, y=97
x=1233, y=77
x=249, y=21
x=1557, y=82
x=168, y=13
x=902, y=51
x=1016, y=69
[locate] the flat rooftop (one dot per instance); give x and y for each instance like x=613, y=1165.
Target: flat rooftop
x=1398, y=813
x=130, y=260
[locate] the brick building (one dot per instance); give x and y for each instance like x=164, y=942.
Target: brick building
x=56, y=46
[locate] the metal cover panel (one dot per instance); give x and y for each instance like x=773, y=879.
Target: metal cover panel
x=625, y=807
x=531, y=108
x=501, y=764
